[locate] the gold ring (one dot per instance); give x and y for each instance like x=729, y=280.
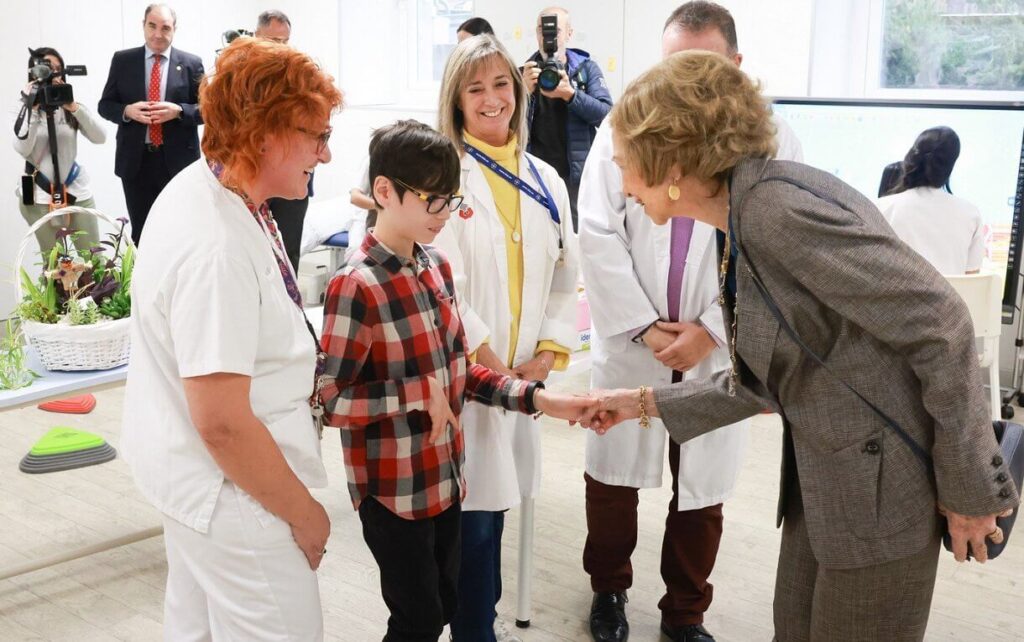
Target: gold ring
x=993, y=533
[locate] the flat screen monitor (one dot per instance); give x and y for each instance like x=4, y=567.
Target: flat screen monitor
x=856, y=139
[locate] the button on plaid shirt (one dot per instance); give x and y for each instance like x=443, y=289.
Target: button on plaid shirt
x=389, y=323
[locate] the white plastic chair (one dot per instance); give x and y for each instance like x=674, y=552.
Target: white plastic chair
x=983, y=294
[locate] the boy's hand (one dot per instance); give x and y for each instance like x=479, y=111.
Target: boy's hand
x=440, y=411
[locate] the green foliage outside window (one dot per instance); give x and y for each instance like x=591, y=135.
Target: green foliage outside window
x=953, y=44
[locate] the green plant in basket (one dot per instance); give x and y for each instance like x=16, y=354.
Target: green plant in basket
x=14, y=371
x=81, y=288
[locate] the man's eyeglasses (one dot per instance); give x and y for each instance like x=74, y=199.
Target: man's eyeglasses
x=435, y=203
x=321, y=137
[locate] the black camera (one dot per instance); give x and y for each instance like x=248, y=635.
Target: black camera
x=550, y=74
x=47, y=94
x=231, y=35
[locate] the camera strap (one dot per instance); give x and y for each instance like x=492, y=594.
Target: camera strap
x=44, y=183
x=544, y=199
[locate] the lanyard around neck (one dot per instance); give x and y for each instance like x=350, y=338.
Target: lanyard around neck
x=544, y=199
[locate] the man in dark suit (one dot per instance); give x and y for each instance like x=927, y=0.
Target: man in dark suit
x=152, y=93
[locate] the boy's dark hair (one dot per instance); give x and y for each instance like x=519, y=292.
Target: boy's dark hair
x=930, y=161
x=475, y=27
x=417, y=155
x=698, y=15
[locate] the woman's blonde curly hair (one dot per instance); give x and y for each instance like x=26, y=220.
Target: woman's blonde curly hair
x=694, y=110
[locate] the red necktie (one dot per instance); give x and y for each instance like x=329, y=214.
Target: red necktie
x=156, y=130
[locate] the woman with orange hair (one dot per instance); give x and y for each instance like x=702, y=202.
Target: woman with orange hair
x=218, y=428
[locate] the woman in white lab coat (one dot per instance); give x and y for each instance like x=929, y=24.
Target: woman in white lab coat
x=944, y=229
x=514, y=257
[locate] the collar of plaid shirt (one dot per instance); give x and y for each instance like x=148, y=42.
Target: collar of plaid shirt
x=392, y=262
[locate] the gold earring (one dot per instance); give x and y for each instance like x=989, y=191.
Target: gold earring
x=673, y=191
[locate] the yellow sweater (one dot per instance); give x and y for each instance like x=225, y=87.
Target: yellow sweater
x=506, y=199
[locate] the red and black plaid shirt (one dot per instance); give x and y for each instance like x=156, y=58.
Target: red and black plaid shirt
x=389, y=323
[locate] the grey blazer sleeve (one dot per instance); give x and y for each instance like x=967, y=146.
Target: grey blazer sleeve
x=857, y=267
x=691, y=408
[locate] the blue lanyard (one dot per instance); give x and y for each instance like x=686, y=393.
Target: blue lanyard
x=524, y=187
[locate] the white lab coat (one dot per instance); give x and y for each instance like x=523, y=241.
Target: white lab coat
x=625, y=266
x=503, y=448
x=945, y=229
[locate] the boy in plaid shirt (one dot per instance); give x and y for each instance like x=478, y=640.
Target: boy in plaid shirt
x=397, y=376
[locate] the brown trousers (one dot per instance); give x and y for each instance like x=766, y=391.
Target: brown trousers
x=688, y=550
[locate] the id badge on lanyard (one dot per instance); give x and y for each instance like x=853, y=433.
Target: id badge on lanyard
x=544, y=199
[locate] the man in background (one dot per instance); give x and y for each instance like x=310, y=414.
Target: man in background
x=152, y=95
x=564, y=120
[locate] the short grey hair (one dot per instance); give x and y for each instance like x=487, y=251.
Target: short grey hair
x=160, y=5
x=270, y=15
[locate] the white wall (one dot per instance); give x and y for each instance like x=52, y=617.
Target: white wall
x=89, y=33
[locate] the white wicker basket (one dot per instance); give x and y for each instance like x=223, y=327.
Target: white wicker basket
x=62, y=346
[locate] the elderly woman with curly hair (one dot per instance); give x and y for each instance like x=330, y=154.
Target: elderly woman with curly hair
x=808, y=264
x=218, y=430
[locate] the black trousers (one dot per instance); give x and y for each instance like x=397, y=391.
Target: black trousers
x=142, y=189
x=290, y=216
x=419, y=568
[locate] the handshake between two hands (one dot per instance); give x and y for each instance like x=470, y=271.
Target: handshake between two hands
x=598, y=410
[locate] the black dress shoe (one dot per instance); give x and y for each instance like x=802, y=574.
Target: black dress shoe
x=687, y=633
x=608, y=621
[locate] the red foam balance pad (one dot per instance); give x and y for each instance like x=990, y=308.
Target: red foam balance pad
x=80, y=405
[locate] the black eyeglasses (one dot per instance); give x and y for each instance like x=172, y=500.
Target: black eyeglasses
x=435, y=203
x=321, y=137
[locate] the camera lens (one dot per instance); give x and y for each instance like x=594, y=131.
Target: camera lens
x=549, y=77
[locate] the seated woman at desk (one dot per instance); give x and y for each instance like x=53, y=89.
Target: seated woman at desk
x=944, y=229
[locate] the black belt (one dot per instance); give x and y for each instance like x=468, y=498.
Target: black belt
x=150, y=147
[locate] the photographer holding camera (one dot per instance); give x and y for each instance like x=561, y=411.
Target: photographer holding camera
x=48, y=97
x=568, y=100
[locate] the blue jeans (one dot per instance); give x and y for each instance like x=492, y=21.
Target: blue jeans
x=479, y=576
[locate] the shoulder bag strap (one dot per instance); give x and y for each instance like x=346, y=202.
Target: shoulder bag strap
x=774, y=309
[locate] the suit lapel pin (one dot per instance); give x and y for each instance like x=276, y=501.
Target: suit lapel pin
x=465, y=212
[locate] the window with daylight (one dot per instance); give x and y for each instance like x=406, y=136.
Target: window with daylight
x=952, y=44
x=433, y=27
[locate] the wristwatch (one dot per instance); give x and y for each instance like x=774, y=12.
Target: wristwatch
x=640, y=335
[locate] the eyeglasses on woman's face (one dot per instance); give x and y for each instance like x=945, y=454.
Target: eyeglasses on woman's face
x=321, y=137
x=435, y=203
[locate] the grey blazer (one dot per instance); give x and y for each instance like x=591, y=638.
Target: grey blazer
x=886, y=322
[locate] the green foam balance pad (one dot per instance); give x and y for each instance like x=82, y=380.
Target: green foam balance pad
x=65, y=448
x=62, y=439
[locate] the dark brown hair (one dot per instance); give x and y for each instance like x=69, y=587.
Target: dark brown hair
x=416, y=154
x=698, y=15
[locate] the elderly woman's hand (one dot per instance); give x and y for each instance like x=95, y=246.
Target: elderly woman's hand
x=973, y=530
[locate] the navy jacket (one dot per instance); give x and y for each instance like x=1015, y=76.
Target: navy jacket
x=587, y=108
x=127, y=84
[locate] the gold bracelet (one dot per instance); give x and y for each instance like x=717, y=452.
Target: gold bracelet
x=645, y=421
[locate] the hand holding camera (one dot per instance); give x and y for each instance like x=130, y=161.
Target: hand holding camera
x=551, y=77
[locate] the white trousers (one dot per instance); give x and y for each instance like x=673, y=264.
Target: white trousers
x=244, y=580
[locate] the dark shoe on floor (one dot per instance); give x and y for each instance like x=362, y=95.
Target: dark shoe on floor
x=687, y=633
x=608, y=621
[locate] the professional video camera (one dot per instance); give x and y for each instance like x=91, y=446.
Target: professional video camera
x=49, y=97
x=550, y=74
x=45, y=93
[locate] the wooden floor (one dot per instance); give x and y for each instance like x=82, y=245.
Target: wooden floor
x=118, y=595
